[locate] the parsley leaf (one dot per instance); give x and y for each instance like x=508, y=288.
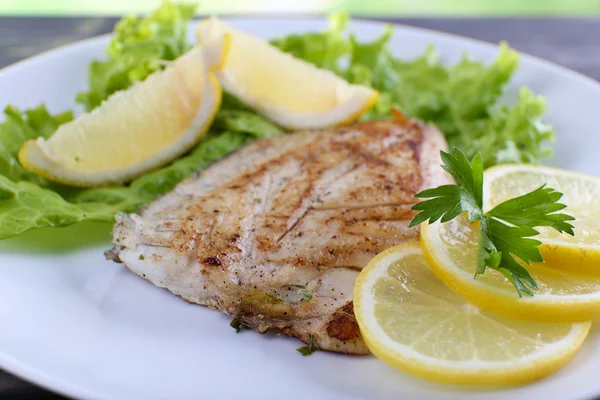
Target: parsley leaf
x=506, y=231
x=509, y=241
x=449, y=201
x=310, y=348
x=536, y=208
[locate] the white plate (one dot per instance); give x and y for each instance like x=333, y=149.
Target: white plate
x=80, y=325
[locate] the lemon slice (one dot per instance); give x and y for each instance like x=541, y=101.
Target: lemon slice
x=410, y=320
x=136, y=130
x=291, y=92
x=577, y=254
x=451, y=249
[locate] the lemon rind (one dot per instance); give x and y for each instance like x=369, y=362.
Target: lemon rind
x=348, y=110
x=577, y=258
x=506, y=302
x=35, y=156
x=529, y=368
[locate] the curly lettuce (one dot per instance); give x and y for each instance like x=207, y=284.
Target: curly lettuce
x=462, y=99
x=28, y=201
x=139, y=47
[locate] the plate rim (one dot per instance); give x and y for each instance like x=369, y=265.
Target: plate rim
x=56, y=384
x=47, y=381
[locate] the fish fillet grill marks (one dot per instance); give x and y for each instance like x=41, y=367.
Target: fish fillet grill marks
x=276, y=233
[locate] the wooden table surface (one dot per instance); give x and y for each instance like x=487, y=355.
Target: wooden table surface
x=571, y=42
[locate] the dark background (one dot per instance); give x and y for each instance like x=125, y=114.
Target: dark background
x=571, y=42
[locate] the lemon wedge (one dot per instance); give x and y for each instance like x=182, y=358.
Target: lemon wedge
x=136, y=130
x=410, y=320
x=291, y=92
x=451, y=250
x=578, y=254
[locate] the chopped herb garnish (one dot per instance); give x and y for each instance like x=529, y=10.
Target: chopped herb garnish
x=141, y=257
x=238, y=325
x=310, y=348
x=306, y=295
x=506, y=230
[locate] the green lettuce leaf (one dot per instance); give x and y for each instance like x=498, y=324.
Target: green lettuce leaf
x=325, y=49
x=139, y=47
x=461, y=99
x=19, y=127
x=28, y=201
x=517, y=134
x=245, y=121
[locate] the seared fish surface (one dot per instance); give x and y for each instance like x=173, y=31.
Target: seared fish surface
x=276, y=233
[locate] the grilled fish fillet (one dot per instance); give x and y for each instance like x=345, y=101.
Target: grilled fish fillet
x=276, y=233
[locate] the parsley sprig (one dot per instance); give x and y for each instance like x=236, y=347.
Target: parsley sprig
x=506, y=230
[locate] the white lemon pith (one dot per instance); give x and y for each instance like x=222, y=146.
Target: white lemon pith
x=579, y=254
x=412, y=321
x=289, y=91
x=136, y=130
